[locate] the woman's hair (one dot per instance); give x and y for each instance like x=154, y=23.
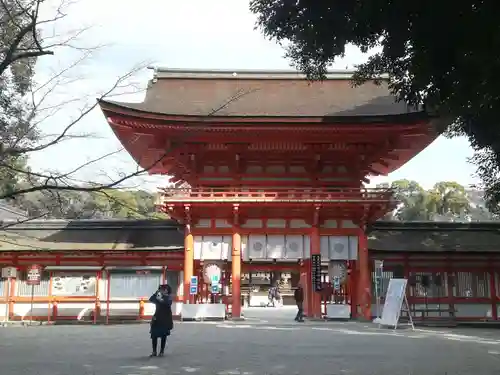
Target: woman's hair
x=167, y=288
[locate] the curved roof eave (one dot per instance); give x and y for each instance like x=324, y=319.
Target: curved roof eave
x=137, y=111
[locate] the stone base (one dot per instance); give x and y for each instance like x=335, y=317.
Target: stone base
x=240, y=319
x=362, y=319
x=202, y=320
x=338, y=319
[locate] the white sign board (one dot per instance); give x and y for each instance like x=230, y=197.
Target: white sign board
x=8, y=272
x=396, y=295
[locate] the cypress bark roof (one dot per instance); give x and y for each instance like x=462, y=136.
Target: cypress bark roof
x=434, y=237
x=96, y=235
x=167, y=235
x=265, y=93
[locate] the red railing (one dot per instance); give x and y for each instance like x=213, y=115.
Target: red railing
x=173, y=195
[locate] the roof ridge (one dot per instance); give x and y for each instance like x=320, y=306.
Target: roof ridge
x=162, y=72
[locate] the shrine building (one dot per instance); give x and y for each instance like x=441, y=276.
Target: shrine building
x=267, y=172
x=104, y=271
x=265, y=178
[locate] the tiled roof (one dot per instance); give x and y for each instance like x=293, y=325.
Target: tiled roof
x=260, y=93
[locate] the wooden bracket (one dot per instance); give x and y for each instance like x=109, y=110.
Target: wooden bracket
x=316, y=213
x=366, y=216
x=236, y=214
x=187, y=212
x=193, y=164
x=237, y=164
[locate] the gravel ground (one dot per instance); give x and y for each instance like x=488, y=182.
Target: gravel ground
x=250, y=348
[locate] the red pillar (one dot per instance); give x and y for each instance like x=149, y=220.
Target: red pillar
x=188, y=263
x=315, y=311
x=365, y=296
x=97, y=307
x=236, y=275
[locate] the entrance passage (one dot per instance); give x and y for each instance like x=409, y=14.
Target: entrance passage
x=258, y=279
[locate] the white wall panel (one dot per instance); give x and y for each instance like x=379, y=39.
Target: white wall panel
x=307, y=247
x=353, y=247
x=227, y=247
x=276, y=223
x=275, y=247
x=324, y=247
x=339, y=247
x=294, y=247
x=244, y=248
x=220, y=223
x=256, y=246
x=203, y=223
x=211, y=248
x=198, y=243
x=253, y=223
x=296, y=223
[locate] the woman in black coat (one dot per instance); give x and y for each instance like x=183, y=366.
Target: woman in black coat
x=162, y=322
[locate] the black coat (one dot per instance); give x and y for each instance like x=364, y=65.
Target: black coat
x=298, y=295
x=162, y=318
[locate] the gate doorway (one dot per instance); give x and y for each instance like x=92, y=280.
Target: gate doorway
x=257, y=279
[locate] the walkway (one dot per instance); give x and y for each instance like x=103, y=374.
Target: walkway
x=254, y=347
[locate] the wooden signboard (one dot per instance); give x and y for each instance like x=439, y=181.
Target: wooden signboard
x=34, y=275
x=316, y=272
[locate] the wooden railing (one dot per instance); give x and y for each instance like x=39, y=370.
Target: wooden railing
x=173, y=195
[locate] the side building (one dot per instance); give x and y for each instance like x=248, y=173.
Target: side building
x=93, y=269
x=100, y=271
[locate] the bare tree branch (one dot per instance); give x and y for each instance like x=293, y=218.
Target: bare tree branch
x=34, y=107
x=26, y=110
x=25, y=17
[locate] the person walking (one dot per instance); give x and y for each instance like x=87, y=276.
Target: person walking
x=277, y=295
x=271, y=297
x=162, y=322
x=298, y=295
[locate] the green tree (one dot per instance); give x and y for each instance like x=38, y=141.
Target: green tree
x=413, y=201
x=443, y=55
x=17, y=68
x=131, y=204
x=104, y=204
x=449, y=198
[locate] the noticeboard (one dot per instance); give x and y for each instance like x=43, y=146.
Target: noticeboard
x=393, y=302
x=193, y=287
x=316, y=272
x=336, y=283
x=194, y=281
x=9, y=272
x=34, y=275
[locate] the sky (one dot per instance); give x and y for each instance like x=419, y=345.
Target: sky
x=126, y=36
